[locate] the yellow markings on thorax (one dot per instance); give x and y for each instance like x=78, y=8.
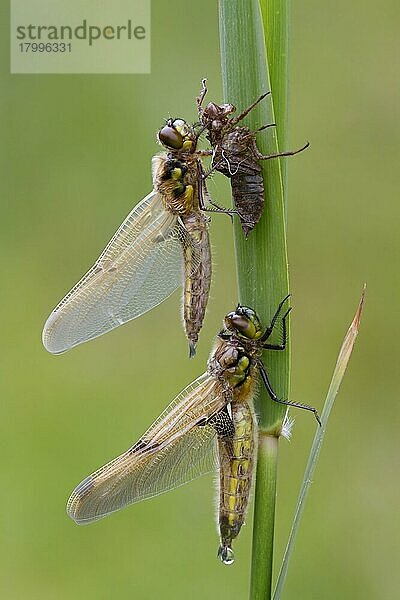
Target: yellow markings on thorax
x=188, y=145
x=188, y=198
x=237, y=374
x=178, y=196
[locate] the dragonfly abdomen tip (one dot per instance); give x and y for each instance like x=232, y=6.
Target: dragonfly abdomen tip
x=192, y=348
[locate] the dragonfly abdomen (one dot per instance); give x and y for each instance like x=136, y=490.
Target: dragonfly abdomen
x=248, y=197
x=244, y=171
x=236, y=469
x=197, y=276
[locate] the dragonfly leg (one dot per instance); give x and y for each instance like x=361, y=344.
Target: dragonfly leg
x=269, y=329
x=214, y=166
x=264, y=127
x=203, y=92
x=275, y=398
x=198, y=129
x=204, y=152
x=282, y=345
x=268, y=156
x=248, y=109
x=252, y=134
x=214, y=207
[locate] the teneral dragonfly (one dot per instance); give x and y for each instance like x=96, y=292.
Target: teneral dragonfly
x=211, y=424
x=235, y=155
x=162, y=243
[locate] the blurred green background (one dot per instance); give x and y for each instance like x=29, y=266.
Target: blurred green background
x=76, y=154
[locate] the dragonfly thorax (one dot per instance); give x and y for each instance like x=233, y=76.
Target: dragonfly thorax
x=215, y=116
x=176, y=181
x=230, y=363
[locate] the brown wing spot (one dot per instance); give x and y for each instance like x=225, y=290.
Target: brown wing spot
x=155, y=445
x=142, y=445
x=138, y=446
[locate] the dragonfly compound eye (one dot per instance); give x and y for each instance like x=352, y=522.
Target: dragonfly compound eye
x=245, y=322
x=181, y=127
x=170, y=137
x=177, y=135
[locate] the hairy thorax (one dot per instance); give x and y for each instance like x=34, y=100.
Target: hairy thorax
x=235, y=367
x=176, y=178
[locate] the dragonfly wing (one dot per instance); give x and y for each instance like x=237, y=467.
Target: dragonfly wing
x=138, y=269
x=177, y=448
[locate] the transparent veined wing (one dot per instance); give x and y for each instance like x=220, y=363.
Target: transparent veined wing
x=140, y=267
x=178, y=447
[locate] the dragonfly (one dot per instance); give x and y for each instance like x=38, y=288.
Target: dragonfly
x=210, y=425
x=162, y=243
x=235, y=155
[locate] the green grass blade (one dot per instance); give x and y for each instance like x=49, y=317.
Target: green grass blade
x=338, y=374
x=262, y=266
x=276, y=21
x=264, y=518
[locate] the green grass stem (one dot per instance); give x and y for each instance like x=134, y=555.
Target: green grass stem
x=338, y=374
x=262, y=266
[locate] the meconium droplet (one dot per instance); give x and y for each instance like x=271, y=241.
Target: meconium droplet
x=226, y=555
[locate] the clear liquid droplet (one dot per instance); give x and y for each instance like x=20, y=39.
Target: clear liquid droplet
x=226, y=555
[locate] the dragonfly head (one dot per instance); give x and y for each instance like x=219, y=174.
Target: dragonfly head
x=216, y=115
x=177, y=135
x=243, y=322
